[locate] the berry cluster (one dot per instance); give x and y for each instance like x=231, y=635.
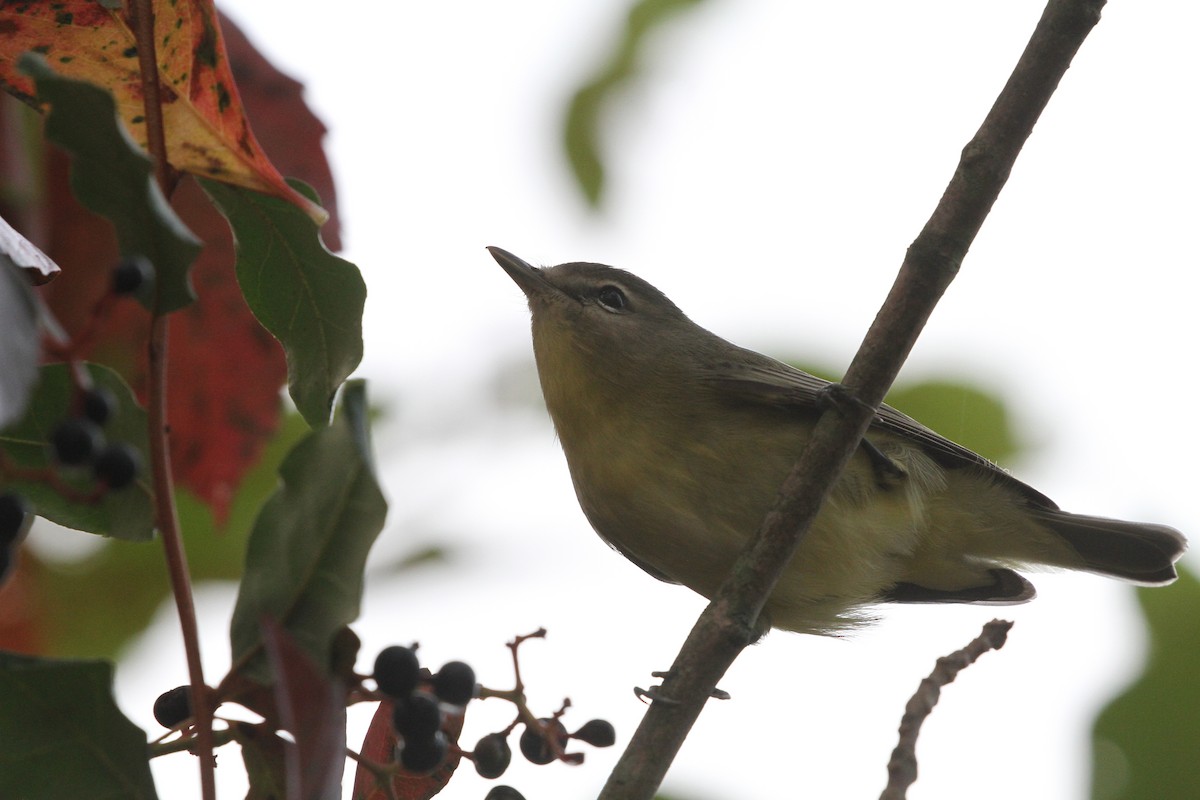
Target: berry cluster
x=542, y=742
x=544, y=739
x=427, y=710
x=79, y=441
x=417, y=704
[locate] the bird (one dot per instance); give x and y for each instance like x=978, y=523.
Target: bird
x=677, y=442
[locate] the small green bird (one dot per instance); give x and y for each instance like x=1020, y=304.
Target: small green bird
x=678, y=441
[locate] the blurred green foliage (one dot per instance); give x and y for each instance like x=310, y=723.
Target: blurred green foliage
x=963, y=413
x=125, y=514
x=307, y=553
x=960, y=412
x=94, y=606
x=64, y=736
x=585, y=112
x=1146, y=742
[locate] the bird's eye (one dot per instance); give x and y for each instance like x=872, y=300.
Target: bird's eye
x=612, y=298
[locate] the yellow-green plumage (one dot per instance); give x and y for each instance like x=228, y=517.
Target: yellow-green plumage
x=677, y=442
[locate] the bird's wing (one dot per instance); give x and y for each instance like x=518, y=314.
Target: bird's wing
x=754, y=378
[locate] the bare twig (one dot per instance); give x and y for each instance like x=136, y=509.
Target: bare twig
x=166, y=515
x=516, y=696
x=728, y=624
x=902, y=767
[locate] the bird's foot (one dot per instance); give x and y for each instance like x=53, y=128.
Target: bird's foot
x=654, y=693
x=887, y=471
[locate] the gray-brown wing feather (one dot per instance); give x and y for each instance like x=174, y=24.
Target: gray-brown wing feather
x=755, y=378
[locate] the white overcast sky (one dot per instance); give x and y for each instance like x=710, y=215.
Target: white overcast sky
x=768, y=176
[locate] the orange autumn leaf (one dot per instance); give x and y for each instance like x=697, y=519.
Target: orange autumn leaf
x=207, y=131
x=225, y=372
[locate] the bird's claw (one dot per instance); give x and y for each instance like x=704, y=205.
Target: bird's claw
x=837, y=396
x=654, y=695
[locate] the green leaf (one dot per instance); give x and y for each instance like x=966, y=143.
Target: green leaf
x=308, y=298
x=78, y=612
x=1146, y=740
x=19, y=346
x=113, y=177
x=308, y=550
x=583, y=121
x=64, y=736
x=961, y=413
x=125, y=513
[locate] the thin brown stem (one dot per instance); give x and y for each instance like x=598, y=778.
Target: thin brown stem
x=902, y=767
x=514, y=645
x=166, y=514
x=167, y=519
x=156, y=137
x=730, y=621
x=381, y=773
x=52, y=478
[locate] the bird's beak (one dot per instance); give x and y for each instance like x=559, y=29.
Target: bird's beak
x=526, y=276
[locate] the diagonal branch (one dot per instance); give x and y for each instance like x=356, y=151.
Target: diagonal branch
x=728, y=624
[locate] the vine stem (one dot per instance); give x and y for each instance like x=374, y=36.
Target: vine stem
x=166, y=514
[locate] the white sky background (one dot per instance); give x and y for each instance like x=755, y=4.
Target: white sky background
x=768, y=176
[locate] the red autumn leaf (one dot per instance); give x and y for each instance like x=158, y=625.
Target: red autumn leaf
x=206, y=128
x=312, y=707
x=379, y=745
x=224, y=371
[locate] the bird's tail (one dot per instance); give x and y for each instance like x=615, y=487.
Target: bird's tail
x=1133, y=551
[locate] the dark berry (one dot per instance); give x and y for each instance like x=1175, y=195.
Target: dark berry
x=76, y=441
x=15, y=518
x=173, y=706
x=597, y=732
x=504, y=793
x=396, y=670
x=99, y=404
x=492, y=755
x=535, y=748
x=424, y=754
x=416, y=716
x=130, y=273
x=117, y=465
x=455, y=683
